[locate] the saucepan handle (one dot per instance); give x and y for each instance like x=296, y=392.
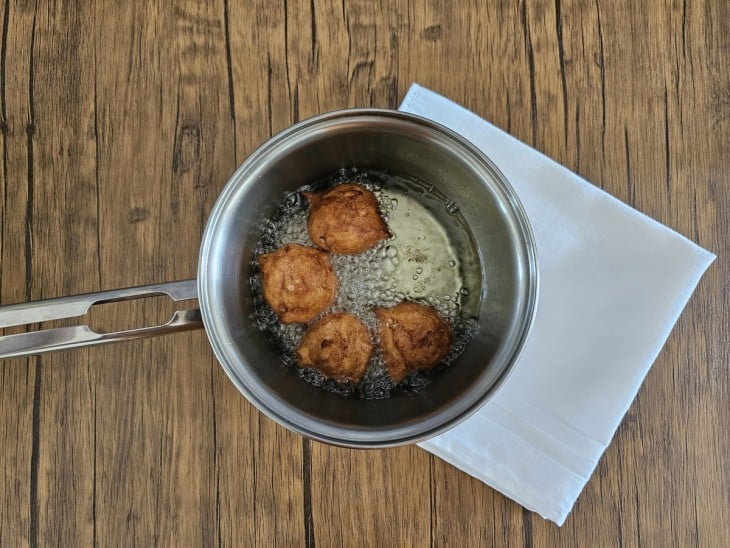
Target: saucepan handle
x=64, y=338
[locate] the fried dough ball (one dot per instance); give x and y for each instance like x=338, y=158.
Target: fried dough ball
x=413, y=338
x=298, y=282
x=338, y=346
x=345, y=219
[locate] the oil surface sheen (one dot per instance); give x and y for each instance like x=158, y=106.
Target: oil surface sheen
x=430, y=258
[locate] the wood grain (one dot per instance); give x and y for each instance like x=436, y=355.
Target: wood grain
x=122, y=121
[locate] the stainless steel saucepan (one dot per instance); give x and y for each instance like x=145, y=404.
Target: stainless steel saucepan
x=367, y=138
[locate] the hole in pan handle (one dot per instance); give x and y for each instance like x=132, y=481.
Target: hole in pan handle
x=64, y=338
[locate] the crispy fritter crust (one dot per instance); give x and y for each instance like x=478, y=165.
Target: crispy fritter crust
x=345, y=219
x=413, y=338
x=298, y=282
x=338, y=346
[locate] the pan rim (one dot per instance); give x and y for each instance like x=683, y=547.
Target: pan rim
x=381, y=437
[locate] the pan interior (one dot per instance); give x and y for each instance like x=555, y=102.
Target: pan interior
x=381, y=140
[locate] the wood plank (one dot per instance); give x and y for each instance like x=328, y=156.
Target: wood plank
x=61, y=212
x=370, y=497
x=20, y=380
x=261, y=480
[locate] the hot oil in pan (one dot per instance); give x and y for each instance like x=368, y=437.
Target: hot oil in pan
x=431, y=259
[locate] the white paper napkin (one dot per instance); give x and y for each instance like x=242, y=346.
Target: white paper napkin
x=612, y=284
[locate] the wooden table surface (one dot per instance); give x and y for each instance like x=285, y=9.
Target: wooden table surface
x=122, y=121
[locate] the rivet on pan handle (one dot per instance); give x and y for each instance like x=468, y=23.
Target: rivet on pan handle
x=64, y=338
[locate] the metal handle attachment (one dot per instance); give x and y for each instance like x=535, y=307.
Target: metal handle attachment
x=64, y=338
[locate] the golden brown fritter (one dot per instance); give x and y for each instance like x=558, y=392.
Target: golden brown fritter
x=338, y=346
x=413, y=338
x=298, y=282
x=345, y=219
